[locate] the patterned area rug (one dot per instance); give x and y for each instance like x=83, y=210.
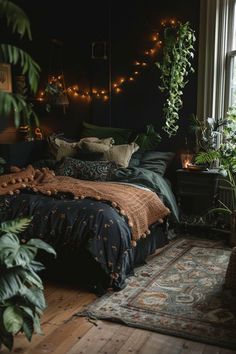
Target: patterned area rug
x=179, y=292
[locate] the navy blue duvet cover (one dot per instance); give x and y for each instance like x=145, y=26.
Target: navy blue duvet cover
x=92, y=240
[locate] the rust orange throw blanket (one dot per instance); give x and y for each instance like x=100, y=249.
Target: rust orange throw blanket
x=141, y=207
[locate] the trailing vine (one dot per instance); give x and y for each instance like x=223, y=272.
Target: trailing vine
x=178, y=51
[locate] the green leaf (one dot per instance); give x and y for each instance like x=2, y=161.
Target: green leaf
x=27, y=310
x=12, y=319
x=28, y=327
x=41, y=245
x=31, y=278
x=35, y=296
x=12, y=253
x=11, y=54
x=16, y=225
x=36, y=266
x=16, y=18
x=10, y=283
x=37, y=327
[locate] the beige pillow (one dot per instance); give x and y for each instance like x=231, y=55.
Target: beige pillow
x=93, y=144
x=65, y=149
x=60, y=148
x=121, y=154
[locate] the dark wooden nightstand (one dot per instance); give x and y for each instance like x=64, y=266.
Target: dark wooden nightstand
x=196, y=194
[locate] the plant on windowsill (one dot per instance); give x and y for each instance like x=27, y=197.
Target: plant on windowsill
x=21, y=290
x=226, y=157
x=175, y=66
x=16, y=104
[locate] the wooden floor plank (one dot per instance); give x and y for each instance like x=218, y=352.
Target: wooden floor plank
x=162, y=344
x=63, y=337
x=95, y=339
x=68, y=334
x=119, y=338
x=138, y=338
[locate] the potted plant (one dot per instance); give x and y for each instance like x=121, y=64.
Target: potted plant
x=21, y=290
x=16, y=104
x=226, y=157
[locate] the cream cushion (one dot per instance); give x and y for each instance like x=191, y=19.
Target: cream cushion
x=121, y=154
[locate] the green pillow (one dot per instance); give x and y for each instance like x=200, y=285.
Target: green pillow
x=156, y=161
x=120, y=135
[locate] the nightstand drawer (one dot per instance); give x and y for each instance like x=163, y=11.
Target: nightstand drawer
x=193, y=188
x=196, y=191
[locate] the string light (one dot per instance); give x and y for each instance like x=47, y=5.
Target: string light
x=74, y=91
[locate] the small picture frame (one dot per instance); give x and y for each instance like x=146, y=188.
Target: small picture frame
x=99, y=50
x=5, y=77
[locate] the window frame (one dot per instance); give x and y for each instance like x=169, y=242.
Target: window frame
x=215, y=54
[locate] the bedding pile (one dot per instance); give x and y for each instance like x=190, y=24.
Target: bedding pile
x=141, y=207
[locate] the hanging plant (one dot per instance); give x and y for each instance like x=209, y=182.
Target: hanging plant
x=178, y=51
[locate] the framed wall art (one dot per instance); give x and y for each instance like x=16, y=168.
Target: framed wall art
x=5, y=77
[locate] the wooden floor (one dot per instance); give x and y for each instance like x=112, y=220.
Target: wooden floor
x=65, y=333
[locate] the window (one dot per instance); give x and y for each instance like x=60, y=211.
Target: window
x=217, y=58
x=231, y=66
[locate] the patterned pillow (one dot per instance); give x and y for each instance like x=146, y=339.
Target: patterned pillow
x=87, y=170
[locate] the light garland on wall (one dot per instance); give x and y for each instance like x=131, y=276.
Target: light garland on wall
x=139, y=65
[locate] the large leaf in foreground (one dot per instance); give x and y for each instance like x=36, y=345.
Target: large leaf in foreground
x=12, y=319
x=12, y=253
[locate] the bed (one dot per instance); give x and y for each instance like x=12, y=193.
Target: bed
x=91, y=233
